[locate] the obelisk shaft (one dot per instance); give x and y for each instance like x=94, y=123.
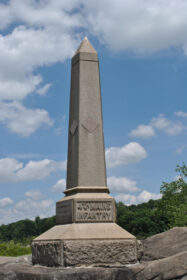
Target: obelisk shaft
x=86, y=154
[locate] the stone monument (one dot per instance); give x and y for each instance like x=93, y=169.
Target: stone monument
x=86, y=232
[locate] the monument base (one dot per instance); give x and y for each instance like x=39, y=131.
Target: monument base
x=82, y=244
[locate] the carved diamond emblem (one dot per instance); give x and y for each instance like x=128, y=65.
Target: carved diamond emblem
x=73, y=127
x=90, y=124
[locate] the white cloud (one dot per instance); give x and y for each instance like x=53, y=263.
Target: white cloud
x=34, y=194
x=127, y=199
x=21, y=120
x=44, y=89
x=181, y=114
x=12, y=170
x=159, y=123
x=121, y=184
x=8, y=169
x=15, y=89
x=142, y=131
x=38, y=170
x=28, y=204
x=45, y=32
x=170, y=127
x=128, y=154
x=27, y=209
x=5, y=201
x=60, y=186
x=144, y=196
x=139, y=25
x=42, y=35
x=57, y=14
x=16, y=69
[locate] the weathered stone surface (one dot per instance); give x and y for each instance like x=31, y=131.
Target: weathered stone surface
x=165, y=244
x=183, y=278
x=86, y=157
x=25, y=271
x=174, y=267
x=5, y=259
x=49, y=253
x=167, y=268
x=84, y=252
x=137, y=268
x=139, y=249
x=97, y=252
x=22, y=259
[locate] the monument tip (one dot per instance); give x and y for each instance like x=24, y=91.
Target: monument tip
x=85, y=46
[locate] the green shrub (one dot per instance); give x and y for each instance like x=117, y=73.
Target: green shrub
x=11, y=249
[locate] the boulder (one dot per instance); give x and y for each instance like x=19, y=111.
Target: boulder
x=165, y=244
x=22, y=269
x=168, y=268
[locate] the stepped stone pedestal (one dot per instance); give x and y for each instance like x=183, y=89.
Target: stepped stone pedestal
x=86, y=233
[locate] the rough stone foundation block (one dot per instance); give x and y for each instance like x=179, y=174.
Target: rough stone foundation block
x=84, y=252
x=98, y=252
x=48, y=253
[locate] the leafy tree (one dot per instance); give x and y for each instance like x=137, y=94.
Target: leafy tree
x=174, y=199
x=156, y=216
x=25, y=230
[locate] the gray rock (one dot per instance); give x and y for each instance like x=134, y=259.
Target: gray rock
x=17, y=271
x=139, y=249
x=22, y=259
x=174, y=267
x=165, y=244
x=167, y=268
x=183, y=278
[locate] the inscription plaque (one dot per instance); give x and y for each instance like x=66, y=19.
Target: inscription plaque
x=64, y=212
x=94, y=211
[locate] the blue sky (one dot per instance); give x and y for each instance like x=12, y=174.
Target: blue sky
x=142, y=48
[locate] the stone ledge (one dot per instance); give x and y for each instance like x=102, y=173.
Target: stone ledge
x=22, y=271
x=86, y=231
x=20, y=268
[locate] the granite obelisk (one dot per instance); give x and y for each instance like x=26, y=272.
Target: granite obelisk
x=86, y=232
x=86, y=158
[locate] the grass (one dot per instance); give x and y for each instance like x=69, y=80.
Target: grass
x=12, y=249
